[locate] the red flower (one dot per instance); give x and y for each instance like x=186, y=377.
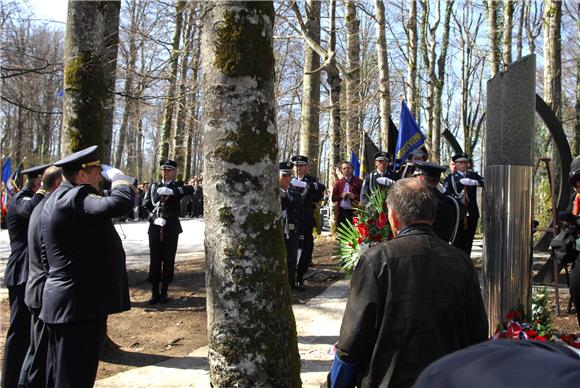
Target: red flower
x=532, y=333
x=349, y=244
x=359, y=240
x=363, y=230
x=355, y=220
x=541, y=338
x=381, y=220
x=513, y=315
x=568, y=338
x=377, y=237
x=575, y=344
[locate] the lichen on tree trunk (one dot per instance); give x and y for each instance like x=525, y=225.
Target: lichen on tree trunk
x=251, y=328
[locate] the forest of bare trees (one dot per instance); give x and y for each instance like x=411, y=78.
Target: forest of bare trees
x=341, y=70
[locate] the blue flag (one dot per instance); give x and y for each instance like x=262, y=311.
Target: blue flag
x=410, y=135
x=6, y=171
x=355, y=164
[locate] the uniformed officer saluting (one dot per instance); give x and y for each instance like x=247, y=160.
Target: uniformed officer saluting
x=449, y=214
x=462, y=184
x=162, y=206
x=312, y=192
x=87, y=279
x=291, y=214
x=16, y=274
x=382, y=176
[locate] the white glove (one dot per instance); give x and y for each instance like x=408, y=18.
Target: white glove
x=385, y=181
x=164, y=191
x=160, y=221
x=109, y=172
x=469, y=182
x=298, y=183
x=440, y=188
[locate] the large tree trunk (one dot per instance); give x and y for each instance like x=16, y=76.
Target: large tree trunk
x=576, y=146
x=85, y=76
x=335, y=83
x=520, y=35
x=383, y=64
x=553, y=56
x=412, y=41
x=493, y=60
x=353, y=132
x=309, y=118
x=251, y=328
x=165, y=135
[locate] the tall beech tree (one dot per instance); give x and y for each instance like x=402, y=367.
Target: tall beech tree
x=251, y=328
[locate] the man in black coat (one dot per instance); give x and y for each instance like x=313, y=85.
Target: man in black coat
x=162, y=206
x=36, y=366
x=462, y=185
x=16, y=274
x=412, y=300
x=87, y=278
x=291, y=218
x=381, y=176
x=312, y=192
x=449, y=215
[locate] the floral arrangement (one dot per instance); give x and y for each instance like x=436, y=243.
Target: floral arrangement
x=537, y=328
x=369, y=227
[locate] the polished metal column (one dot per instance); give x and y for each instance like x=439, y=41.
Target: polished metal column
x=507, y=211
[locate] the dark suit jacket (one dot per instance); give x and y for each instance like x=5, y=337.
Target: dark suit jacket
x=19, y=211
x=169, y=209
x=87, y=278
x=37, y=261
x=355, y=188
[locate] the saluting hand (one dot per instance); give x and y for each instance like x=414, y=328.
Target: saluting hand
x=469, y=182
x=109, y=172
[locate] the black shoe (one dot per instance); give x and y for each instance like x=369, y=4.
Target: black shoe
x=163, y=296
x=154, y=299
x=300, y=285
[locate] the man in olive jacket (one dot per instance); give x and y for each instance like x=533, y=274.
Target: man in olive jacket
x=412, y=300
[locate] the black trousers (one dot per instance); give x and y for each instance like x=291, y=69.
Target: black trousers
x=37, y=366
x=162, y=257
x=75, y=348
x=345, y=214
x=17, y=337
x=307, y=244
x=291, y=256
x=464, y=239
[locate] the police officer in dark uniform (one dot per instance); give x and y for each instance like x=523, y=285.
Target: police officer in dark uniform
x=87, y=278
x=36, y=365
x=16, y=274
x=291, y=214
x=449, y=213
x=462, y=184
x=162, y=205
x=381, y=176
x=312, y=192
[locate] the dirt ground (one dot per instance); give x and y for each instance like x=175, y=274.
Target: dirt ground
x=147, y=335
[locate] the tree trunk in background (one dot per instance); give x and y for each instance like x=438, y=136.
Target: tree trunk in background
x=192, y=126
x=251, y=328
x=508, y=23
x=576, y=146
x=352, y=108
x=383, y=64
x=493, y=57
x=111, y=10
x=428, y=56
x=179, y=140
x=85, y=77
x=335, y=83
x=412, y=40
x=309, y=118
x=553, y=56
x=128, y=92
x=520, y=36
x=165, y=134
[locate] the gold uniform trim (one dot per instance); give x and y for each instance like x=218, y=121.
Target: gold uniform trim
x=91, y=164
x=123, y=182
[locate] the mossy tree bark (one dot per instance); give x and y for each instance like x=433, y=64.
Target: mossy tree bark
x=309, y=117
x=86, y=74
x=412, y=43
x=251, y=327
x=353, y=125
